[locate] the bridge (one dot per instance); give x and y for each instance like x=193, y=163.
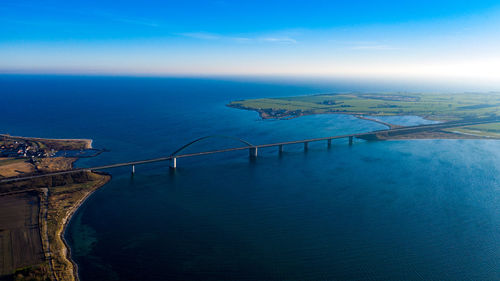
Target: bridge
x=253, y=149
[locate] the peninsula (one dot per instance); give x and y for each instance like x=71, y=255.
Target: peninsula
x=34, y=213
x=438, y=107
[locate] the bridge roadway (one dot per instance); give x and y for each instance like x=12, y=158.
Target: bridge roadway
x=253, y=148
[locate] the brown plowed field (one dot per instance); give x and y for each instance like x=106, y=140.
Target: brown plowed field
x=20, y=241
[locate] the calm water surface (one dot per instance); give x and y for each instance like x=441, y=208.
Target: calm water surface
x=394, y=210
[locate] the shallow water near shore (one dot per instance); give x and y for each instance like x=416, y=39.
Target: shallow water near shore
x=392, y=210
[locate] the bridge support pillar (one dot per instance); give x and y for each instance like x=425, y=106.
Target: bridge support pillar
x=350, y=140
x=133, y=169
x=329, y=143
x=253, y=152
x=173, y=163
x=280, y=148
x=306, y=146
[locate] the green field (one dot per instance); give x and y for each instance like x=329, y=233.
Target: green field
x=486, y=130
x=442, y=107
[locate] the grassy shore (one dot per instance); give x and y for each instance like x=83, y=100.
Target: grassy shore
x=491, y=130
x=63, y=203
x=432, y=106
x=56, y=144
x=58, y=198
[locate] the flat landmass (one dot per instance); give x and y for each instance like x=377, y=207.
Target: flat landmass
x=20, y=239
x=49, y=144
x=34, y=213
x=11, y=167
x=432, y=106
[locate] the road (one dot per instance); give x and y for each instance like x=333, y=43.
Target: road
x=366, y=135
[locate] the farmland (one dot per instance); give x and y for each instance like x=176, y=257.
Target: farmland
x=33, y=213
x=433, y=106
x=20, y=238
x=486, y=130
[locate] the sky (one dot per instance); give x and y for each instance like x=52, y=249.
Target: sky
x=388, y=39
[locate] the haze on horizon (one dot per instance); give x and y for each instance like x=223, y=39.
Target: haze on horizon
x=449, y=40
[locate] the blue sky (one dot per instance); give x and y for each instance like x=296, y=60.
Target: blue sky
x=435, y=39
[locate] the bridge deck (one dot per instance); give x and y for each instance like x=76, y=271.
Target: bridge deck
x=408, y=129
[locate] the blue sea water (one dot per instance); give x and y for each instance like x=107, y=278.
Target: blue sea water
x=393, y=210
x=404, y=120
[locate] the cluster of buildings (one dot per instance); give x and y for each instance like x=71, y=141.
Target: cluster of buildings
x=21, y=150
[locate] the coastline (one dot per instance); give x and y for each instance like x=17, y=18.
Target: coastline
x=361, y=115
x=58, y=203
x=62, y=230
x=62, y=203
x=438, y=134
x=85, y=143
x=390, y=125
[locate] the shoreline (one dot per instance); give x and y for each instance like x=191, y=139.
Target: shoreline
x=67, y=219
x=438, y=134
x=58, y=202
x=360, y=115
x=390, y=125
x=87, y=142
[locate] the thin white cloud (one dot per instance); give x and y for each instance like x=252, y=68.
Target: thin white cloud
x=241, y=39
x=238, y=39
x=374, y=47
x=287, y=40
x=363, y=45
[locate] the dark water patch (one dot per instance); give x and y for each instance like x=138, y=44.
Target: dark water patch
x=370, y=159
x=87, y=153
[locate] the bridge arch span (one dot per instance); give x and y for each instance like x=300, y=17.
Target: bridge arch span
x=207, y=137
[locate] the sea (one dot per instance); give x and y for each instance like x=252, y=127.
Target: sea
x=388, y=210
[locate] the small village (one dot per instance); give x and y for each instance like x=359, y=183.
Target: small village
x=23, y=149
